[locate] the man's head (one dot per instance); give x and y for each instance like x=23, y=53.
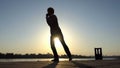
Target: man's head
x=50, y=11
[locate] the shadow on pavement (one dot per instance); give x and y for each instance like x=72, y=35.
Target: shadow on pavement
x=80, y=65
x=52, y=65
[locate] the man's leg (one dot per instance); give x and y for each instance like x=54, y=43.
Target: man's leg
x=54, y=49
x=65, y=47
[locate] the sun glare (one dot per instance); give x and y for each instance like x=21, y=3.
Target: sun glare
x=57, y=42
x=59, y=46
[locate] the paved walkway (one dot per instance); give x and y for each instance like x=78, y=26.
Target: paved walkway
x=63, y=64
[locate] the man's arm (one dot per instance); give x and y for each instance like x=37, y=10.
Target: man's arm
x=47, y=19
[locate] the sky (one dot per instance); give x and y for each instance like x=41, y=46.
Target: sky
x=85, y=24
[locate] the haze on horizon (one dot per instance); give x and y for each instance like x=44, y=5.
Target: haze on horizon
x=85, y=24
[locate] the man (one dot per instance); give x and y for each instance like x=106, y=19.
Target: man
x=56, y=32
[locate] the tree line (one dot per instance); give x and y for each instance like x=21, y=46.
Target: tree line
x=48, y=55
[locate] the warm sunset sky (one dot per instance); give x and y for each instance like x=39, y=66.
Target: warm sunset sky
x=86, y=24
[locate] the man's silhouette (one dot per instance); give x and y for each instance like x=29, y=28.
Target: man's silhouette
x=56, y=32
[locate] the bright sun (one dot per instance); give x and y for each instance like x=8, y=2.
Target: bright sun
x=59, y=46
x=57, y=42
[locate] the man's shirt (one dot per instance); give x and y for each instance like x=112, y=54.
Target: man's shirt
x=53, y=23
